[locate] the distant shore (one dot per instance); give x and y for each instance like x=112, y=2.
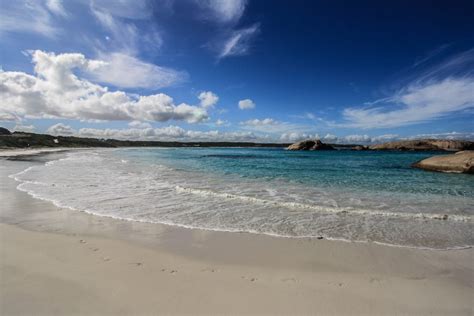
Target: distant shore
x=59, y=261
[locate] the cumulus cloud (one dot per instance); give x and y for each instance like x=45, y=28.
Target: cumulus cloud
x=246, y=104
x=170, y=133
x=61, y=129
x=238, y=43
x=138, y=124
x=208, y=99
x=220, y=122
x=357, y=138
x=258, y=122
x=349, y=139
x=297, y=136
x=330, y=138
x=55, y=91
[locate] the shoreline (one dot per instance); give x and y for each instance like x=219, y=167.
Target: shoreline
x=46, y=247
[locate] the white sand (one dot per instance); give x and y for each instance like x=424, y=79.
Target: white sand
x=44, y=273
x=30, y=151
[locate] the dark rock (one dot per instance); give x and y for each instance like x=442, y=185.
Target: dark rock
x=4, y=131
x=310, y=145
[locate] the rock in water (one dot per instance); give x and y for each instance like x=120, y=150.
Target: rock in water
x=460, y=162
x=360, y=147
x=310, y=145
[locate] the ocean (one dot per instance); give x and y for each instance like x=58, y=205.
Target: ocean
x=357, y=196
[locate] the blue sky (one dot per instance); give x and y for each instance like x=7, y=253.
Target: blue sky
x=342, y=71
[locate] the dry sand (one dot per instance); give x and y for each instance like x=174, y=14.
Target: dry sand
x=60, y=262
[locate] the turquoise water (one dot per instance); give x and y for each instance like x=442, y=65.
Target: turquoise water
x=344, y=169
x=343, y=195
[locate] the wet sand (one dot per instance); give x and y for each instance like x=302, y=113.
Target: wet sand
x=59, y=261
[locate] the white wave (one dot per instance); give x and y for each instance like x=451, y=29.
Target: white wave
x=324, y=209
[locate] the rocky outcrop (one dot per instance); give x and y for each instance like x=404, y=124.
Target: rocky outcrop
x=310, y=145
x=426, y=144
x=360, y=147
x=4, y=131
x=460, y=162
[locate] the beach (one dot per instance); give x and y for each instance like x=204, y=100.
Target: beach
x=60, y=261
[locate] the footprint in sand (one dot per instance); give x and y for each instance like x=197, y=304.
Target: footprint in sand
x=173, y=271
x=106, y=258
x=138, y=264
x=82, y=241
x=374, y=280
x=94, y=249
x=292, y=280
x=251, y=279
x=209, y=270
x=336, y=284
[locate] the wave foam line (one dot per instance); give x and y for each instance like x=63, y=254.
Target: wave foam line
x=322, y=209
x=216, y=229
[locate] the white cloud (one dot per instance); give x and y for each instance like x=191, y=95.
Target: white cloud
x=224, y=11
x=246, y=104
x=56, y=92
x=220, y=122
x=384, y=138
x=24, y=128
x=330, y=138
x=443, y=90
x=27, y=16
x=208, y=99
x=231, y=41
x=130, y=9
x=61, y=129
x=357, y=138
x=416, y=104
x=446, y=135
x=238, y=43
x=56, y=6
x=170, y=133
x=258, y=122
x=129, y=72
x=117, y=17
x=139, y=131
x=138, y=124
x=297, y=136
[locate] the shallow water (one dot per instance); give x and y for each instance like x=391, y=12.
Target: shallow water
x=347, y=195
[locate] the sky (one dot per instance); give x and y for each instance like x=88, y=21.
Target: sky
x=238, y=70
